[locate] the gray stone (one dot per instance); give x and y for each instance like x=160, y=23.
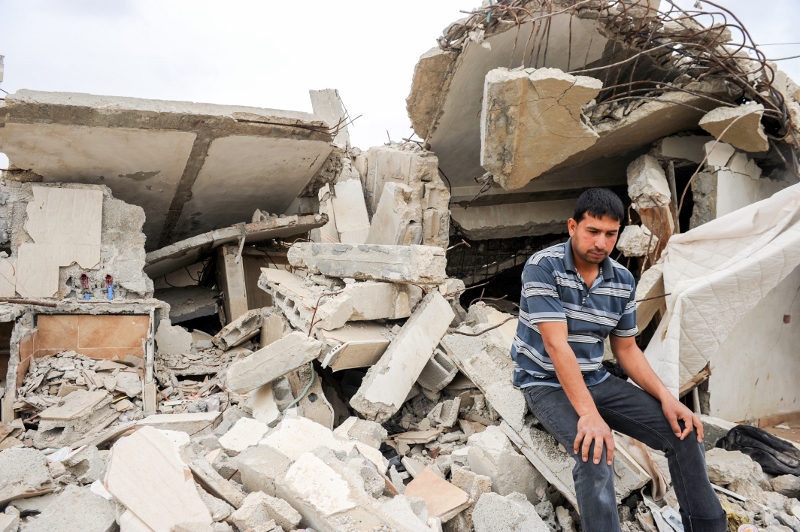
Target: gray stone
x=788, y=485
x=75, y=510
x=512, y=513
x=725, y=467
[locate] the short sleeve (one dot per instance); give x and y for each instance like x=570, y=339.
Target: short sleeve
x=541, y=295
x=626, y=326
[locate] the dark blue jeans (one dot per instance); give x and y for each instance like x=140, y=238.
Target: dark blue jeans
x=632, y=411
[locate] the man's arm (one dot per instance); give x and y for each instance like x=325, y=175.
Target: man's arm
x=591, y=427
x=634, y=363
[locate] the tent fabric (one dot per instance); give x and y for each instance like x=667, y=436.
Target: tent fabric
x=715, y=274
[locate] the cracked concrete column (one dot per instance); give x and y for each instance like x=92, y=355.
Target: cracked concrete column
x=531, y=121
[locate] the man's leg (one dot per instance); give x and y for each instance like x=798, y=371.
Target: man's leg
x=632, y=411
x=594, y=483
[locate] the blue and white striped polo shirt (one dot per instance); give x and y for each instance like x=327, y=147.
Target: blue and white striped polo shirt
x=553, y=290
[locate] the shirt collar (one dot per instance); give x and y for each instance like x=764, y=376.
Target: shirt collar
x=606, y=267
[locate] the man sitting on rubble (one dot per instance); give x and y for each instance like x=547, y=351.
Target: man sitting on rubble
x=573, y=296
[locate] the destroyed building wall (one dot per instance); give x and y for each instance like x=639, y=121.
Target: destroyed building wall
x=57, y=234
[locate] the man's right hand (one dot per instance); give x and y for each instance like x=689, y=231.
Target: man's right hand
x=592, y=428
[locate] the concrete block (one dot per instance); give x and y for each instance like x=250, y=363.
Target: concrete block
x=786, y=485
x=86, y=465
x=386, y=385
x=253, y=513
x=475, y=485
x=714, y=428
x=215, y=483
x=436, y=215
x=446, y=412
x=196, y=424
x=278, y=510
x=491, y=454
x=75, y=510
x=438, y=372
x=404, y=164
x=260, y=467
x=23, y=473
x=725, y=467
x=241, y=329
x=744, y=128
x=396, y=264
x=718, y=153
x=271, y=362
x=512, y=513
x=637, y=241
x=442, y=499
x=688, y=147
x=362, y=430
x=398, y=218
x=647, y=183
x=245, y=433
x=531, y=121
x=356, y=345
x=173, y=339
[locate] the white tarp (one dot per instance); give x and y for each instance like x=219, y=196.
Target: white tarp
x=715, y=274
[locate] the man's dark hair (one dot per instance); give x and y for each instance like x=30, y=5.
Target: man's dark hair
x=599, y=202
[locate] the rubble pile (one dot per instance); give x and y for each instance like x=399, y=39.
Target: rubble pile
x=330, y=363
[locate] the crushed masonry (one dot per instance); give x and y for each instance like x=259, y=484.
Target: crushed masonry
x=326, y=345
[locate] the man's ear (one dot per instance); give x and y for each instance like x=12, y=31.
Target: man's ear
x=571, y=226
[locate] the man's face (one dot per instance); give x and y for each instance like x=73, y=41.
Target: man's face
x=593, y=238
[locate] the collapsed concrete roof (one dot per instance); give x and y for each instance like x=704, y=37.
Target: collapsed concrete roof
x=661, y=71
x=192, y=167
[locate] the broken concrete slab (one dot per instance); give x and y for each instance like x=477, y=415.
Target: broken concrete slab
x=513, y=513
x=266, y=507
x=246, y=326
x=531, y=121
x=356, y=345
x=75, y=510
x=301, y=300
x=486, y=362
x=483, y=222
x=491, y=454
x=168, y=156
x=263, y=404
x=215, y=483
x=86, y=465
x=74, y=416
x=398, y=217
x=442, y=499
x=351, y=217
x=386, y=385
x=395, y=264
x=297, y=435
x=686, y=147
x=23, y=473
x=647, y=183
x=650, y=295
x=741, y=125
x=245, y=433
x=135, y=462
x=195, y=424
x=271, y=362
x=406, y=164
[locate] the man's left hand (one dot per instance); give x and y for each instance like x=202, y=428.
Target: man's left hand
x=674, y=410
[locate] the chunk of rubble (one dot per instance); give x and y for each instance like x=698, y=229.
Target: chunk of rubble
x=73, y=417
x=512, y=513
x=272, y=362
x=442, y=499
x=787, y=485
x=491, y=454
x=362, y=430
x=397, y=220
x=650, y=295
x=215, y=483
x=356, y=345
x=173, y=339
x=301, y=301
x=330, y=495
x=725, y=467
x=741, y=125
x=386, y=385
x=244, y=433
x=194, y=423
x=138, y=459
x=23, y=473
x=86, y=464
x=261, y=467
x=351, y=217
x=637, y=241
x=75, y=510
x=476, y=486
x=395, y=264
x=259, y=508
x=647, y=183
x=241, y=329
x=531, y=122
x=438, y=372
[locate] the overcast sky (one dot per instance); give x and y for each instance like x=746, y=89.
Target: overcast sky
x=265, y=53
